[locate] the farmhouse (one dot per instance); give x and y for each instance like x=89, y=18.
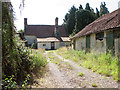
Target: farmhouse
x=102, y=35
x=46, y=36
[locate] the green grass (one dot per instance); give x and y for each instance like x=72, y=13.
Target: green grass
x=103, y=63
x=80, y=74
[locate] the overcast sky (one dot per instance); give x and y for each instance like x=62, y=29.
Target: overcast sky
x=45, y=11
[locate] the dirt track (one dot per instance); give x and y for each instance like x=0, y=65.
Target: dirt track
x=65, y=75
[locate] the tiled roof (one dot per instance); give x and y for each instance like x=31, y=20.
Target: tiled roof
x=52, y=39
x=105, y=22
x=43, y=31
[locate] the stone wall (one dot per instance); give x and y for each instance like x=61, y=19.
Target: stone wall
x=81, y=43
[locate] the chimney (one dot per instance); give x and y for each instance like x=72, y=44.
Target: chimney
x=56, y=27
x=56, y=22
x=25, y=24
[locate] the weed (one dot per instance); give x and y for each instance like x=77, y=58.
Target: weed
x=102, y=63
x=25, y=83
x=94, y=85
x=80, y=74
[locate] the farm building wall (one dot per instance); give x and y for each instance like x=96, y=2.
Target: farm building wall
x=44, y=45
x=98, y=45
x=117, y=42
x=47, y=45
x=80, y=43
x=109, y=40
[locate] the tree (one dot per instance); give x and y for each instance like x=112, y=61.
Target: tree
x=80, y=7
x=103, y=9
x=15, y=57
x=88, y=7
x=70, y=19
x=97, y=13
x=83, y=18
x=66, y=18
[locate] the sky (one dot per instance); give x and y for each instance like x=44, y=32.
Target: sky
x=44, y=12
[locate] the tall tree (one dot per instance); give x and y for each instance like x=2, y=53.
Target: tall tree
x=80, y=7
x=88, y=7
x=83, y=18
x=66, y=18
x=97, y=13
x=70, y=19
x=103, y=8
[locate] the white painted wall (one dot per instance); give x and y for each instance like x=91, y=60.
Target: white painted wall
x=57, y=45
x=72, y=43
x=67, y=43
x=48, y=45
x=40, y=45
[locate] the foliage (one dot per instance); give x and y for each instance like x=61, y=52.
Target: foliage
x=97, y=13
x=70, y=19
x=80, y=7
x=9, y=82
x=94, y=85
x=38, y=59
x=77, y=18
x=103, y=8
x=16, y=58
x=88, y=7
x=25, y=83
x=103, y=63
x=21, y=31
x=83, y=18
x=80, y=74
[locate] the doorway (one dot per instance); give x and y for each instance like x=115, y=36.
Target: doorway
x=88, y=43
x=52, y=45
x=110, y=42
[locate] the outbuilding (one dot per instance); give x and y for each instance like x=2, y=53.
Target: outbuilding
x=102, y=35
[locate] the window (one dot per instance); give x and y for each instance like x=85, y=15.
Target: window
x=100, y=36
x=44, y=44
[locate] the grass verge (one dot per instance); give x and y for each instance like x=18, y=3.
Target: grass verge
x=103, y=63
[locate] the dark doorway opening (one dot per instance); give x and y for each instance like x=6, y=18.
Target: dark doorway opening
x=88, y=43
x=52, y=45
